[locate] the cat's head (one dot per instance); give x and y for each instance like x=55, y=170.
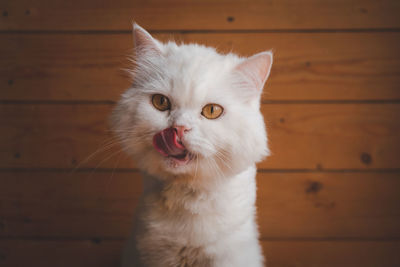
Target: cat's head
x=192, y=111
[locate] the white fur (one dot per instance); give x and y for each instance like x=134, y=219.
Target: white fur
x=202, y=213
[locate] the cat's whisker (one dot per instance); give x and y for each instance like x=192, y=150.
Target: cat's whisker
x=113, y=172
x=223, y=160
x=105, y=147
x=104, y=160
x=223, y=156
x=210, y=149
x=204, y=145
x=214, y=167
x=127, y=129
x=197, y=163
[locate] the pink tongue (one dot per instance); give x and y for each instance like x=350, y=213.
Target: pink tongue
x=166, y=142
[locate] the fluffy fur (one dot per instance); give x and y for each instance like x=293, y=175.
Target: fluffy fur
x=201, y=213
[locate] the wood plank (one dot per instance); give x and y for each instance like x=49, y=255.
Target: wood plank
x=195, y=15
x=329, y=205
x=290, y=205
x=47, y=253
x=81, y=253
x=75, y=205
x=302, y=136
x=331, y=254
x=307, y=66
x=346, y=136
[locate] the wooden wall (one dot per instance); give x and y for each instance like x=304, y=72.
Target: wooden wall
x=328, y=196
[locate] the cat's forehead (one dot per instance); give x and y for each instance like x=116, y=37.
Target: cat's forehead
x=197, y=57
x=197, y=73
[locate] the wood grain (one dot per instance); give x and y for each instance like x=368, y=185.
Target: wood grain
x=328, y=195
x=199, y=15
x=307, y=66
x=83, y=253
x=290, y=205
x=331, y=254
x=329, y=205
x=69, y=204
x=333, y=136
x=61, y=253
x=302, y=136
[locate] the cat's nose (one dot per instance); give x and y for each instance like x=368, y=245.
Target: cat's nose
x=181, y=130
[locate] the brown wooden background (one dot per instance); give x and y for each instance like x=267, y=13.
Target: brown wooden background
x=328, y=196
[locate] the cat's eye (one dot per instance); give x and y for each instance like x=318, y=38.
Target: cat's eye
x=161, y=102
x=212, y=111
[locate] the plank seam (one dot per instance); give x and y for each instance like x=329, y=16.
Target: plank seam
x=57, y=102
x=189, y=31
x=98, y=239
x=322, y=101
x=111, y=102
x=134, y=170
x=332, y=239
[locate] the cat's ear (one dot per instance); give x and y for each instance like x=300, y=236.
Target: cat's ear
x=144, y=42
x=253, y=73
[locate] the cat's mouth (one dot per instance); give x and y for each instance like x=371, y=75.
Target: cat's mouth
x=168, y=144
x=182, y=159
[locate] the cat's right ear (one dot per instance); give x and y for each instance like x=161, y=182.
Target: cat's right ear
x=251, y=75
x=144, y=42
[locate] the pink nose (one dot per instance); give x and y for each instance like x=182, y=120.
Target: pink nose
x=181, y=130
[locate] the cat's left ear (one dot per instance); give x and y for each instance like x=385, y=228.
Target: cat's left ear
x=144, y=42
x=253, y=73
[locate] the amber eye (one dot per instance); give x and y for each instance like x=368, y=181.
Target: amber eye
x=161, y=102
x=212, y=111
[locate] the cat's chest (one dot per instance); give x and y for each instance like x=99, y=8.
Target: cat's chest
x=196, y=218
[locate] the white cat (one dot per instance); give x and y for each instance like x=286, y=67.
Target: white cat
x=192, y=122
